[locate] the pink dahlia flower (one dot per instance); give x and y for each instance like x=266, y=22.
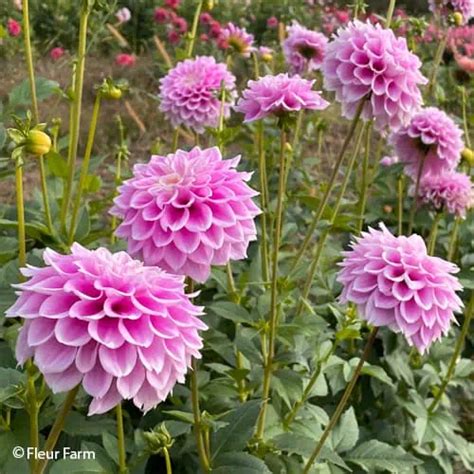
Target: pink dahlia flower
x=238, y=39
x=431, y=138
x=304, y=49
x=366, y=60
x=13, y=27
x=272, y=22
x=451, y=191
x=278, y=95
x=56, y=53
x=189, y=93
x=125, y=60
x=161, y=15
x=123, y=15
x=123, y=330
x=187, y=211
x=395, y=283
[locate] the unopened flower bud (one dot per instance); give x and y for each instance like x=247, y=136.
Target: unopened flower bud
x=38, y=143
x=468, y=156
x=458, y=18
x=208, y=5
x=267, y=57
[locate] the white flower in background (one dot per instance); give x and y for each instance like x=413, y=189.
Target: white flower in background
x=123, y=15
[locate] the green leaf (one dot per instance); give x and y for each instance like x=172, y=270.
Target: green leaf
x=110, y=444
x=78, y=466
x=21, y=94
x=231, y=311
x=374, y=456
x=239, y=428
x=239, y=463
x=346, y=433
x=78, y=425
x=57, y=164
x=10, y=383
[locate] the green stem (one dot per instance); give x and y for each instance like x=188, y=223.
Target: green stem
x=464, y=116
x=33, y=412
x=20, y=207
x=307, y=391
x=166, y=454
x=325, y=233
x=454, y=358
x=274, y=291
x=57, y=428
x=262, y=170
x=122, y=455
x=434, y=233
x=453, y=239
x=76, y=108
x=365, y=178
x=400, y=186
x=175, y=142
x=332, y=180
x=411, y=221
x=391, y=9
x=197, y=419
x=192, y=38
x=29, y=59
x=44, y=191
x=342, y=403
x=436, y=64
x=84, y=167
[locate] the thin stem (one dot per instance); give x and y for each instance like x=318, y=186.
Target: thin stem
x=411, y=221
x=175, y=142
x=365, y=178
x=85, y=167
x=76, y=109
x=307, y=391
x=262, y=171
x=44, y=191
x=436, y=64
x=57, y=428
x=296, y=137
x=29, y=59
x=197, y=419
x=464, y=116
x=434, y=233
x=20, y=208
x=33, y=412
x=322, y=238
x=274, y=290
x=342, y=403
x=192, y=38
x=122, y=455
x=391, y=9
x=400, y=186
x=332, y=180
x=454, y=238
x=454, y=358
x=166, y=454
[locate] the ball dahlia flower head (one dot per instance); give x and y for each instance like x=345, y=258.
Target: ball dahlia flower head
x=190, y=93
x=123, y=330
x=304, y=49
x=367, y=61
x=278, y=95
x=452, y=192
x=395, y=283
x=187, y=211
x=431, y=140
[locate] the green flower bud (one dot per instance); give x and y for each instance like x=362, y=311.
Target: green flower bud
x=37, y=143
x=468, y=156
x=458, y=18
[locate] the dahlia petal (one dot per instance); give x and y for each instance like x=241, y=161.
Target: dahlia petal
x=40, y=330
x=118, y=362
x=129, y=386
x=53, y=357
x=102, y=405
x=106, y=332
x=72, y=332
x=64, y=381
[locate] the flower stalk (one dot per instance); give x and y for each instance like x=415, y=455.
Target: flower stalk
x=411, y=221
x=274, y=289
x=122, y=455
x=342, y=403
x=454, y=358
x=76, y=106
x=365, y=178
x=192, y=38
x=434, y=233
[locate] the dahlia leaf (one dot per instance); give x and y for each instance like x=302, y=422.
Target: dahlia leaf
x=237, y=463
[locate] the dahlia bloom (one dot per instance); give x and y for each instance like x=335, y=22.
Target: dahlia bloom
x=366, y=60
x=451, y=191
x=125, y=60
x=431, y=136
x=174, y=4
x=123, y=330
x=180, y=24
x=161, y=15
x=304, y=49
x=238, y=39
x=13, y=27
x=123, y=15
x=465, y=7
x=272, y=22
x=187, y=211
x=278, y=95
x=189, y=93
x=56, y=53
x=395, y=283
x=389, y=160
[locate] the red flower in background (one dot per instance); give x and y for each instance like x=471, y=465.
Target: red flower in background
x=13, y=27
x=125, y=60
x=161, y=15
x=272, y=22
x=174, y=4
x=56, y=53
